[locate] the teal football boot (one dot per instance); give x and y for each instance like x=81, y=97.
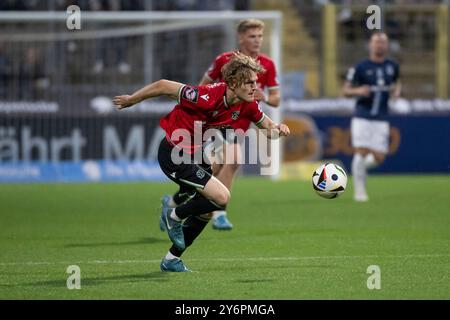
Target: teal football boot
x=164, y=204
x=222, y=223
x=173, y=265
x=174, y=228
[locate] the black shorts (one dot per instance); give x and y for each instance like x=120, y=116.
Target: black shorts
x=187, y=175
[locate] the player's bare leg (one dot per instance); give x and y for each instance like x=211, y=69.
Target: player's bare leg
x=359, y=172
x=215, y=191
x=363, y=160
x=225, y=173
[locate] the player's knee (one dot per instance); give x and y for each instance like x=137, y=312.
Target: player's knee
x=223, y=197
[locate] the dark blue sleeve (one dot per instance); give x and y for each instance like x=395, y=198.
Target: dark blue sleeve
x=396, y=72
x=354, y=75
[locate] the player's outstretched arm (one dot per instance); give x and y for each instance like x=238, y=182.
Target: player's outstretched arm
x=155, y=89
x=274, y=130
x=350, y=91
x=396, y=90
x=274, y=98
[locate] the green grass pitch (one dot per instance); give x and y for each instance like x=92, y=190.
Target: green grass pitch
x=287, y=242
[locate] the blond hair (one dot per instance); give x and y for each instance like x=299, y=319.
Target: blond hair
x=238, y=69
x=244, y=25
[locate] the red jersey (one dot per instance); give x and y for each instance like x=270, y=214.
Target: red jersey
x=204, y=107
x=266, y=79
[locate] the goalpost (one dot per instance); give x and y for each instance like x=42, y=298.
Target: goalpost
x=177, y=44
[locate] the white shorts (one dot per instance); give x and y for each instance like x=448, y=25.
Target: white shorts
x=370, y=134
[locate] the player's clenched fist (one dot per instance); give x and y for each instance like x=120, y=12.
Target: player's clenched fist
x=122, y=102
x=284, y=130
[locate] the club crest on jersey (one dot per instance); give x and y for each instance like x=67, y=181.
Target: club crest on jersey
x=190, y=94
x=200, y=174
x=389, y=70
x=235, y=115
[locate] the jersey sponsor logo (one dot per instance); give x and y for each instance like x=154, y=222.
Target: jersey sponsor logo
x=215, y=84
x=235, y=115
x=205, y=97
x=190, y=94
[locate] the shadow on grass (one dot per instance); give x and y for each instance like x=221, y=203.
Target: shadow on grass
x=261, y=203
x=156, y=276
x=255, y=280
x=148, y=240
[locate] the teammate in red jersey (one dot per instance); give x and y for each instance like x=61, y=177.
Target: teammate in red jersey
x=210, y=106
x=250, y=37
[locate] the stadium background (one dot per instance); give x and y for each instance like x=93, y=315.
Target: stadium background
x=57, y=124
x=56, y=84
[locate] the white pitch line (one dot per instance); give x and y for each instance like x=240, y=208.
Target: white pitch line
x=412, y=256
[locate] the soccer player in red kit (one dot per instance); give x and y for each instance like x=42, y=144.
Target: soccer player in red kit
x=211, y=106
x=250, y=37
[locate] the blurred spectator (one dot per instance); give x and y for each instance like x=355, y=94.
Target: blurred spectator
x=428, y=35
x=37, y=5
x=20, y=5
x=194, y=5
x=5, y=72
x=62, y=5
x=132, y=5
x=32, y=78
x=242, y=5
x=116, y=46
x=214, y=5
x=12, y=5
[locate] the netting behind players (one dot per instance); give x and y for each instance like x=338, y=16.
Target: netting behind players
x=58, y=82
x=50, y=63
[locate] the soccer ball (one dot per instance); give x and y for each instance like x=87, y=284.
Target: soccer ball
x=329, y=180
